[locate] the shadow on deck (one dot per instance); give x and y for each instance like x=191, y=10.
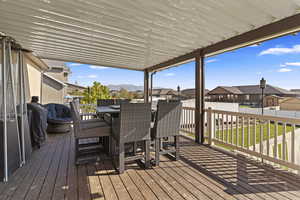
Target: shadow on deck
x=202, y=173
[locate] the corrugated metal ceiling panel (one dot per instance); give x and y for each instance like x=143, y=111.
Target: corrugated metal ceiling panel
x=133, y=34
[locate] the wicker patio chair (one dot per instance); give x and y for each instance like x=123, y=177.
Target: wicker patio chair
x=166, y=125
x=133, y=125
x=87, y=129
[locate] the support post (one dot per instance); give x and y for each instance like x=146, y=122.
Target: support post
x=146, y=86
x=4, y=64
x=22, y=102
x=199, y=101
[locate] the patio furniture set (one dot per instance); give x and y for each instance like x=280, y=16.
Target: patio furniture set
x=128, y=131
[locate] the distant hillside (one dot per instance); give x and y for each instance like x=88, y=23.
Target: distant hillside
x=128, y=87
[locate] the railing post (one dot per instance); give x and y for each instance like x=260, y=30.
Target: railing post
x=210, y=126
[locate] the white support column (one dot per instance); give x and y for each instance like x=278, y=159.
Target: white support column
x=22, y=102
x=4, y=63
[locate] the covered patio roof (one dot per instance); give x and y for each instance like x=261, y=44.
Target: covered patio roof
x=143, y=35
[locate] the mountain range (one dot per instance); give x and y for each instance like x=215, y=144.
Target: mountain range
x=128, y=87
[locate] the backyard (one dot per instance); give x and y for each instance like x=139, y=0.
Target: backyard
x=247, y=139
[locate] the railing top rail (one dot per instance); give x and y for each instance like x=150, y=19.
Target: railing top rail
x=250, y=115
x=260, y=117
x=188, y=108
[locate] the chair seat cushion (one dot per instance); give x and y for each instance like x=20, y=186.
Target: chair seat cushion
x=58, y=113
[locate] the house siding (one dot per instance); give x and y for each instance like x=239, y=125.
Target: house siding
x=290, y=104
x=53, y=92
x=245, y=95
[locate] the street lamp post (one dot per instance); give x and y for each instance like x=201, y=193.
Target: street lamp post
x=263, y=84
x=178, y=93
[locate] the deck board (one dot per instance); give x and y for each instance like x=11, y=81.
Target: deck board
x=72, y=186
x=143, y=187
x=202, y=173
x=50, y=180
x=107, y=186
x=37, y=184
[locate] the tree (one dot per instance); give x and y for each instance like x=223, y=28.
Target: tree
x=125, y=94
x=97, y=91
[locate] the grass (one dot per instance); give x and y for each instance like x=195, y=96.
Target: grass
x=231, y=135
x=245, y=106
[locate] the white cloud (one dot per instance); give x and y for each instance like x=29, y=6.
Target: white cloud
x=75, y=64
x=170, y=74
x=293, y=64
x=254, y=45
x=284, y=70
x=297, y=64
x=97, y=67
x=211, y=60
x=92, y=76
x=281, y=50
x=88, y=76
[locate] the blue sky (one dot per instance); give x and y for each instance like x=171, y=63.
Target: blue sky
x=277, y=60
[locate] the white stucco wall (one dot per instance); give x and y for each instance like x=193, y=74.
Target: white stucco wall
x=34, y=76
x=278, y=113
x=233, y=107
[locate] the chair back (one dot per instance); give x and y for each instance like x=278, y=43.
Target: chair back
x=77, y=104
x=105, y=102
x=75, y=117
x=135, y=122
x=167, y=122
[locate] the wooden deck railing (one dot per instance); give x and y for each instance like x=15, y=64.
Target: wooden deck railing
x=268, y=138
x=187, y=124
x=87, y=111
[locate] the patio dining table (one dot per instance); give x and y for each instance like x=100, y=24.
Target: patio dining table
x=114, y=110
x=108, y=109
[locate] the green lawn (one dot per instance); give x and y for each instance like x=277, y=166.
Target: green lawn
x=232, y=135
x=244, y=106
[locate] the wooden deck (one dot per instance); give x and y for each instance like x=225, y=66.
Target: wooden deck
x=202, y=173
